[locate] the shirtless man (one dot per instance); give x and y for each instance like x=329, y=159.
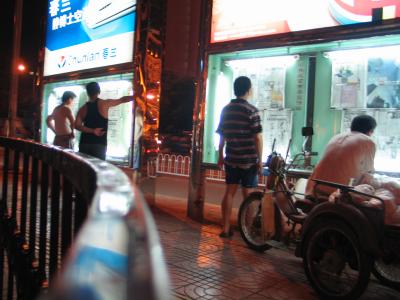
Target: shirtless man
x=350, y=157
x=347, y=156
x=92, y=121
x=61, y=121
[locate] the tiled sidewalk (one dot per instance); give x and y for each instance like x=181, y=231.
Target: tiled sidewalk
x=204, y=266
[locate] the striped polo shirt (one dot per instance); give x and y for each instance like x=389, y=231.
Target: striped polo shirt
x=240, y=122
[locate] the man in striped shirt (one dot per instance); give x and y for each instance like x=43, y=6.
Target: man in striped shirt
x=241, y=134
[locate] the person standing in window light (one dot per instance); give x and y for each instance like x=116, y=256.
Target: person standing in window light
x=240, y=131
x=61, y=121
x=92, y=121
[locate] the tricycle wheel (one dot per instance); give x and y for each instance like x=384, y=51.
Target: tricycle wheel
x=334, y=262
x=250, y=223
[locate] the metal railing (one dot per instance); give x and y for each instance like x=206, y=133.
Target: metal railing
x=56, y=204
x=179, y=165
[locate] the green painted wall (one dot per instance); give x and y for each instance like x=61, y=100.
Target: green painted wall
x=214, y=69
x=327, y=121
x=296, y=99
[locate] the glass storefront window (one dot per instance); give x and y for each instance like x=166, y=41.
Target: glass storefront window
x=119, y=133
x=351, y=77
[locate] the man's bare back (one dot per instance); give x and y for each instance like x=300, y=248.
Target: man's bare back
x=63, y=120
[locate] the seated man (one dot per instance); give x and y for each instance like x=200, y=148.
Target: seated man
x=348, y=156
x=349, y=160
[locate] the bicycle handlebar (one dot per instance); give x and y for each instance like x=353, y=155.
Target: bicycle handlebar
x=304, y=154
x=290, y=167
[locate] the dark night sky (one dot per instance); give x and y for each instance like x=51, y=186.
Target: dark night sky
x=32, y=37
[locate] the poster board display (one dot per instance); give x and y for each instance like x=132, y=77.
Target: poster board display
x=386, y=136
x=277, y=125
x=383, y=82
x=120, y=119
x=235, y=19
x=268, y=79
x=348, y=83
x=366, y=78
x=88, y=34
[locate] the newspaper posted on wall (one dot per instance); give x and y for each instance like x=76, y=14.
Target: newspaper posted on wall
x=269, y=87
x=267, y=76
x=348, y=83
x=383, y=89
x=277, y=125
x=386, y=136
x=366, y=82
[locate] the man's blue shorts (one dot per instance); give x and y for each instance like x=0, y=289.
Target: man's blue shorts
x=248, y=178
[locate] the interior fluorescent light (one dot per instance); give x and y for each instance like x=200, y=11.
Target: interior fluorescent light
x=350, y=54
x=256, y=62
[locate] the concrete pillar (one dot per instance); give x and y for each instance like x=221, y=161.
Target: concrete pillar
x=197, y=173
x=13, y=101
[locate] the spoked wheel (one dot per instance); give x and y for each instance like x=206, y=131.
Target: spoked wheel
x=250, y=223
x=388, y=271
x=334, y=263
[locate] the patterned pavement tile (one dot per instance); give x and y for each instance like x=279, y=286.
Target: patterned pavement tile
x=260, y=267
x=254, y=282
x=180, y=277
x=173, y=255
x=287, y=290
x=242, y=258
x=257, y=297
x=204, y=266
x=203, y=291
x=190, y=232
x=200, y=248
x=176, y=296
x=227, y=276
x=166, y=226
x=192, y=240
